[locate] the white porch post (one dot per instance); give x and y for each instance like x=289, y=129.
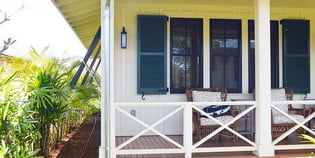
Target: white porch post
x=188, y=137
x=265, y=148
x=107, y=147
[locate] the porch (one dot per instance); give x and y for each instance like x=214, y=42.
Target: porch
x=148, y=137
x=201, y=44
x=153, y=142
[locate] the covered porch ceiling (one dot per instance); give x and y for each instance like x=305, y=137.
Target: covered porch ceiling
x=84, y=15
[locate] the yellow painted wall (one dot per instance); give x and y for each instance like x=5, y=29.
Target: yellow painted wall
x=126, y=59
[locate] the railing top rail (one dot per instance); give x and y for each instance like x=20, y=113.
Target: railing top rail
x=210, y=103
x=294, y=102
x=184, y=103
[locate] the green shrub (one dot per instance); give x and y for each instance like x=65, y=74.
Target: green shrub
x=37, y=105
x=17, y=132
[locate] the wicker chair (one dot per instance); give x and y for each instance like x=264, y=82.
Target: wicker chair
x=204, y=126
x=280, y=123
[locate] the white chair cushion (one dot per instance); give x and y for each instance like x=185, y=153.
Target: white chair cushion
x=207, y=121
x=205, y=96
x=279, y=95
x=279, y=119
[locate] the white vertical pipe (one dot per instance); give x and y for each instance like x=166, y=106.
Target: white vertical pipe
x=188, y=135
x=206, y=52
x=102, y=145
x=245, y=56
x=104, y=149
x=265, y=147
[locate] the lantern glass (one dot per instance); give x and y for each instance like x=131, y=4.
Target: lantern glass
x=123, y=36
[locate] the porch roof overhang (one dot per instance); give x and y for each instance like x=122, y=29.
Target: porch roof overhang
x=84, y=15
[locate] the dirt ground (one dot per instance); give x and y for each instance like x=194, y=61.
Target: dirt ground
x=83, y=142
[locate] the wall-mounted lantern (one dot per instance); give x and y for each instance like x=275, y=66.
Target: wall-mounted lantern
x=123, y=37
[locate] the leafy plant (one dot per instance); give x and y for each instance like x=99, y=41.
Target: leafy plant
x=38, y=106
x=17, y=132
x=52, y=98
x=48, y=96
x=308, y=139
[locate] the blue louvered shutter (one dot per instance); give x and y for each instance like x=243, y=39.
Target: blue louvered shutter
x=296, y=55
x=152, y=54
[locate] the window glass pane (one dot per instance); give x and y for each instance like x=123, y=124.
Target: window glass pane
x=218, y=37
x=252, y=44
x=226, y=72
x=232, y=72
x=217, y=71
x=178, y=72
x=274, y=43
x=179, y=38
x=186, y=37
x=194, y=37
x=218, y=31
x=231, y=43
x=232, y=37
x=218, y=43
x=232, y=29
x=186, y=50
x=189, y=36
x=225, y=54
x=186, y=72
x=192, y=71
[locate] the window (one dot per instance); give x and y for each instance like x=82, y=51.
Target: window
x=152, y=54
x=186, y=54
x=296, y=55
x=225, y=54
x=274, y=50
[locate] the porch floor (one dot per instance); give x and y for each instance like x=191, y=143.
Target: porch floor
x=155, y=142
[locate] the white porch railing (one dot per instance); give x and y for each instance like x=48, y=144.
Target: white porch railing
x=188, y=146
x=298, y=125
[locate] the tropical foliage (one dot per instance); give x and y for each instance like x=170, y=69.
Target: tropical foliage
x=310, y=140
x=17, y=126
x=38, y=106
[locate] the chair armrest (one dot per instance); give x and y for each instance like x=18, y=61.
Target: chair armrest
x=196, y=118
x=307, y=112
x=298, y=111
x=235, y=112
x=196, y=113
x=301, y=111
